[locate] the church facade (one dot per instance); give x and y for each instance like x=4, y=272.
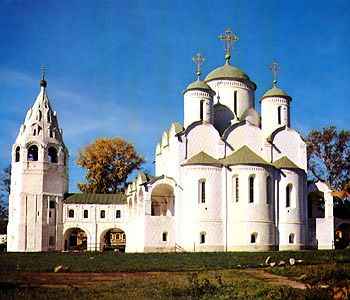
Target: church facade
x=227, y=179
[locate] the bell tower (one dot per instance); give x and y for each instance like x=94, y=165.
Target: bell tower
x=39, y=180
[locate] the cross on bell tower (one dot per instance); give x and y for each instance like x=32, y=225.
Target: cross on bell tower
x=43, y=82
x=274, y=67
x=229, y=38
x=198, y=60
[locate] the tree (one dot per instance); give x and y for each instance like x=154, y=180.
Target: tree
x=5, y=185
x=108, y=162
x=5, y=180
x=329, y=156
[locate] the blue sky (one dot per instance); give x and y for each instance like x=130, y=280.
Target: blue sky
x=118, y=68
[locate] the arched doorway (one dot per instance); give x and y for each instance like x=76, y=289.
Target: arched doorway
x=113, y=239
x=75, y=239
x=163, y=200
x=342, y=236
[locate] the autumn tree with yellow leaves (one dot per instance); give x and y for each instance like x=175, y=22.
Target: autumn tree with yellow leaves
x=108, y=162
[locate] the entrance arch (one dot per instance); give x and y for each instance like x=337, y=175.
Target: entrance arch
x=113, y=239
x=75, y=239
x=163, y=200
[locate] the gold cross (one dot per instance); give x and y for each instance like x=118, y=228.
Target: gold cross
x=274, y=69
x=229, y=39
x=198, y=60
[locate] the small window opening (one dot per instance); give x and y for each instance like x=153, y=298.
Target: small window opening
x=86, y=213
x=118, y=214
x=236, y=188
x=52, y=204
x=33, y=153
x=48, y=117
x=52, y=155
x=201, y=112
x=18, y=154
x=235, y=103
x=164, y=236
x=253, y=237
x=39, y=115
x=202, y=238
x=102, y=214
x=251, y=189
x=268, y=189
x=71, y=213
x=202, y=191
x=279, y=115
x=51, y=133
x=291, y=238
x=288, y=194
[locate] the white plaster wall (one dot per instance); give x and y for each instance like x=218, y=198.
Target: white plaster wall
x=289, y=143
x=269, y=114
x=292, y=219
x=154, y=227
x=205, y=138
x=192, y=101
x=245, y=218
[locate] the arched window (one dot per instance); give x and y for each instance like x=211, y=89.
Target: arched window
x=268, y=189
x=288, y=195
x=71, y=213
x=251, y=189
x=201, y=110
x=33, y=153
x=48, y=117
x=164, y=236
x=202, y=238
x=51, y=133
x=18, y=154
x=235, y=188
x=40, y=115
x=291, y=238
x=279, y=115
x=253, y=238
x=201, y=190
x=235, y=103
x=52, y=155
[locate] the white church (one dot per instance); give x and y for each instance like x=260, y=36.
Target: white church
x=228, y=179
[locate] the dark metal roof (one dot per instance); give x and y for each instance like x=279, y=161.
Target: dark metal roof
x=82, y=198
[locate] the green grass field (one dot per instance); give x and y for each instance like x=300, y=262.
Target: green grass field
x=169, y=276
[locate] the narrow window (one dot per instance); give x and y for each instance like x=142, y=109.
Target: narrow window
x=86, y=213
x=164, y=236
x=50, y=214
x=288, y=194
x=33, y=153
x=291, y=238
x=202, y=191
x=253, y=237
x=251, y=189
x=52, y=155
x=268, y=189
x=34, y=132
x=102, y=214
x=71, y=213
x=51, y=133
x=235, y=188
x=48, y=117
x=202, y=238
x=117, y=214
x=279, y=115
x=235, y=103
x=51, y=241
x=52, y=204
x=39, y=115
x=201, y=111
x=18, y=154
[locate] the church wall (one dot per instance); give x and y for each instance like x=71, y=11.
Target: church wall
x=154, y=227
x=196, y=217
x=225, y=89
x=205, y=138
x=245, y=218
x=192, y=101
x=292, y=219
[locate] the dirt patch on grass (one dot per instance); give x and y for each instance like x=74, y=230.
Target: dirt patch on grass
x=274, y=279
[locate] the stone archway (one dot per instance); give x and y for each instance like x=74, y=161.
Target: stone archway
x=75, y=239
x=113, y=239
x=163, y=200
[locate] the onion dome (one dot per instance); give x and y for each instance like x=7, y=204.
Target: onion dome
x=199, y=85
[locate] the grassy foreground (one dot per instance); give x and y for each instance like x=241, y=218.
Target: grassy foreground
x=169, y=276
x=110, y=262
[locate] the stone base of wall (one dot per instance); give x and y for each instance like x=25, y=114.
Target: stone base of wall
x=253, y=248
x=292, y=247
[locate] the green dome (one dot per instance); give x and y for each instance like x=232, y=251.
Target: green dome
x=199, y=85
x=276, y=92
x=229, y=72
